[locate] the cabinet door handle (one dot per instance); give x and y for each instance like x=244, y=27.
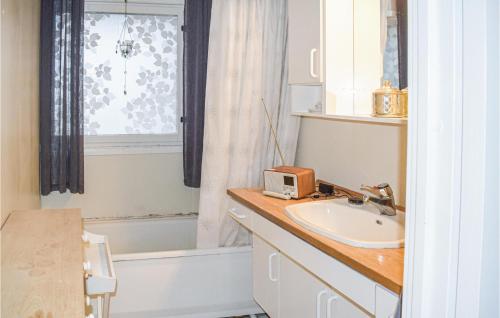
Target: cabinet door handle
x=312, y=55
x=270, y=267
x=236, y=214
x=329, y=306
x=318, y=302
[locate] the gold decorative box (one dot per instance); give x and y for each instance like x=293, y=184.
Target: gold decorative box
x=403, y=101
x=389, y=101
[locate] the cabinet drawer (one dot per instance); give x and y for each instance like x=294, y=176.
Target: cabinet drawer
x=240, y=213
x=100, y=281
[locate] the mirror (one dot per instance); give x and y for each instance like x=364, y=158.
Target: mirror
x=365, y=43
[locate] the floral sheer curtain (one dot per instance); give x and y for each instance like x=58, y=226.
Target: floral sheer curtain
x=61, y=102
x=150, y=103
x=246, y=62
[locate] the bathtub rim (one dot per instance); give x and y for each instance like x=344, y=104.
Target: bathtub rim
x=141, y=218
x=190, y=252
x=181, y=253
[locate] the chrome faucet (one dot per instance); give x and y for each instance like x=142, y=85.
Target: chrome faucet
x=382, y=197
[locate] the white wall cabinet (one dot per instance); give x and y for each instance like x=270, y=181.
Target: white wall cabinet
x=305, y=49
x=335, y=58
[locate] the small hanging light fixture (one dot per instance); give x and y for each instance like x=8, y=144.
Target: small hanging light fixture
x=125, y=44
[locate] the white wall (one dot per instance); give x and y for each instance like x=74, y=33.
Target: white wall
x=490, y=277
x=130, y=185
x=354, y=153
x=450, y=266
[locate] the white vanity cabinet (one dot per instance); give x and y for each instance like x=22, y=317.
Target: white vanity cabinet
x=304, y=43
x=283, y=288
x=293, y=279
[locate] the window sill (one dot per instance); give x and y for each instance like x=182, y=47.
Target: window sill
x=131, y=149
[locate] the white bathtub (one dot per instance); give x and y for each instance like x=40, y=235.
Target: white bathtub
x=160, y=273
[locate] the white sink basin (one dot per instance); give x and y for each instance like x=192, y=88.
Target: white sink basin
x=361, y=226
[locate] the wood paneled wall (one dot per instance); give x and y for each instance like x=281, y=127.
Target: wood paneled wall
x=19, y=68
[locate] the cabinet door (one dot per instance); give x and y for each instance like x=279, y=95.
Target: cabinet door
x=301, y=294
x=304, y=41
x=387, y=303
x=339, y=307
x=266, y=276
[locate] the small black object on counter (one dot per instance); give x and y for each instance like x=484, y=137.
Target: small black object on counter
x=327, y=189
x=355, y=201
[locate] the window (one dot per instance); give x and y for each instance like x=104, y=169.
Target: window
x=132, y=105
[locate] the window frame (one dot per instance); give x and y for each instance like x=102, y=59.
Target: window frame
x=142, y=143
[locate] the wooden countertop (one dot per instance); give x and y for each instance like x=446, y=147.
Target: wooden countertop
x=384, y=266
x=42, y=273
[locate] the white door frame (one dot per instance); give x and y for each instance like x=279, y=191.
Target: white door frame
x=453, y=161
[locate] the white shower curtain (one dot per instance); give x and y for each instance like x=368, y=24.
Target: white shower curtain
x=246, y=62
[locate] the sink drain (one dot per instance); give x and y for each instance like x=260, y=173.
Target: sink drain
x=379, y=222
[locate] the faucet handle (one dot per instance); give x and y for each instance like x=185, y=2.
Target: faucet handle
x=372, y=190
x=386, y=190
x=381, y=191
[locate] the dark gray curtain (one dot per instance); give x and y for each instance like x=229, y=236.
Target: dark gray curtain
x=61, y=105
x=196, y=33
x=402, y=17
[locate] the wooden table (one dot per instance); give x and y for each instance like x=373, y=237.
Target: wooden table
x=42, y=257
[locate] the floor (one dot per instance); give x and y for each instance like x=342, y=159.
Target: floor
x=258, y=316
